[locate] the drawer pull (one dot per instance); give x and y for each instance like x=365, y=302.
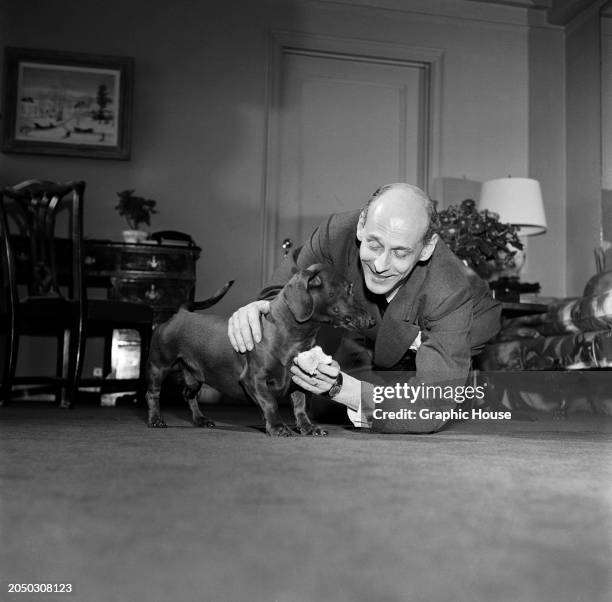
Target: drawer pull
x=152, y=294
x=153, y=263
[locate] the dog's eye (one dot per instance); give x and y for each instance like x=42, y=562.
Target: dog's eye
x=349, y=289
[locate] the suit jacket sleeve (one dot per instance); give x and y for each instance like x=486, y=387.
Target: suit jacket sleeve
x=444, y=354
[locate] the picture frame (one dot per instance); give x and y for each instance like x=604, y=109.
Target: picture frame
x=67, y=103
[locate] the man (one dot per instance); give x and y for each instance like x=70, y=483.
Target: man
x=432, y=314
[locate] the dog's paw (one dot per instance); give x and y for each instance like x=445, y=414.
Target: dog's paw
x=313, y=430
x=202, y=421
x=157, y=422
x=279, y=430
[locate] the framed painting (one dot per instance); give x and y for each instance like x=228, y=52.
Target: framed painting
x=67, y=103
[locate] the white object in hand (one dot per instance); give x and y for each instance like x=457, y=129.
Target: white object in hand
x=309, y=360
x=414, y=346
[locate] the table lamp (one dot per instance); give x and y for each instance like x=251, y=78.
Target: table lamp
x=517, y=201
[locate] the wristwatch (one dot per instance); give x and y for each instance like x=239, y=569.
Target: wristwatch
x=335, y=388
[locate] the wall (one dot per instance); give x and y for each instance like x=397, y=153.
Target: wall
x=583, y=123
x=547, y=253
x=606, y=83
x=200, y=110
x=606, y=129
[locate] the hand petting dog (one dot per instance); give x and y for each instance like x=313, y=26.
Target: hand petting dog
x=244, y=326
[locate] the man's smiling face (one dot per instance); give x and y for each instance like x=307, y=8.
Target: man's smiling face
x=391, y=237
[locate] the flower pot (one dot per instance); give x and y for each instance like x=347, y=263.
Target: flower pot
x=135, y=236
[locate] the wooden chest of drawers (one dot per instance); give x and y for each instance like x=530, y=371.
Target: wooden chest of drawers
x=160, y=275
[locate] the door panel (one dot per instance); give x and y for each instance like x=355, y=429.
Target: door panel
x=345, y=126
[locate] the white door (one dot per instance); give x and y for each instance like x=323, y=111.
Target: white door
x=345, y=125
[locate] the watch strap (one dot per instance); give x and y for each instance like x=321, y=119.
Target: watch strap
x=336, y=387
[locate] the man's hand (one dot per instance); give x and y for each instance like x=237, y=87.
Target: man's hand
x=244, y=325
x=321, y=382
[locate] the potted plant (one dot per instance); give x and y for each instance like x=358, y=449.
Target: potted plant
x=479, y=238
x=136, y=210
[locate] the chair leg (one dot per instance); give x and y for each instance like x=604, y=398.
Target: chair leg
x=62, y=369
x=107, y=359
x=10, y=363
x=77, y=349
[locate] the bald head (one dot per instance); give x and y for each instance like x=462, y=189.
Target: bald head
x=404, y=201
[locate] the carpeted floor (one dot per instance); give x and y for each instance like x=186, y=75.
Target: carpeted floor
x=512, y=511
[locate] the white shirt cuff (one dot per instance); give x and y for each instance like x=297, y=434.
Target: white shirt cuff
x=350, y=396
x=357, y=418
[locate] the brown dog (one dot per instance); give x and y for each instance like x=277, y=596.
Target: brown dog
x=198, y=346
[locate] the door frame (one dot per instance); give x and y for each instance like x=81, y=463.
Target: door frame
x=282, y=42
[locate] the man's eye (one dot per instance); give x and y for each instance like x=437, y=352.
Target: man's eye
x=374, y=246
x=401, y=254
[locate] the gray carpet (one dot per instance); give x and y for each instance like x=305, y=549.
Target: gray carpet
x=513, y=511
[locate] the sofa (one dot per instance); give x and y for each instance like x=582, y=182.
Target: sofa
x=559, y=360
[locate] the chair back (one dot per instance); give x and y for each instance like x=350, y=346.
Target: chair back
x=32, y=254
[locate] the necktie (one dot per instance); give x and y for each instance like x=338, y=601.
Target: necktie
x=382, y=305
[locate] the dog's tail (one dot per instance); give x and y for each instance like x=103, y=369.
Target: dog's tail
x=206, y=303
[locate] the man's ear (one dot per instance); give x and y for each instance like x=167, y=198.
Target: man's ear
x=428, y=248
x=360, y=226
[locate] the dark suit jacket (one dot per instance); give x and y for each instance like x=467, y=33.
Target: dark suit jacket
x=451, y=307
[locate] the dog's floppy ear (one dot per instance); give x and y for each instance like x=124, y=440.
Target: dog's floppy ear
x=297, y=292
x=315, y=279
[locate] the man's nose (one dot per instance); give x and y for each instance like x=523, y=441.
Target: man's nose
x=381, y=262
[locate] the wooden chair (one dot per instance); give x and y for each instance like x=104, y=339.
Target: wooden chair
x=45, y=294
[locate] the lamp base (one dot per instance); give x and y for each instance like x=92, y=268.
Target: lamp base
x=511, y=289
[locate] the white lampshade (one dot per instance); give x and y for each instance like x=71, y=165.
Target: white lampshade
x=517, y=201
